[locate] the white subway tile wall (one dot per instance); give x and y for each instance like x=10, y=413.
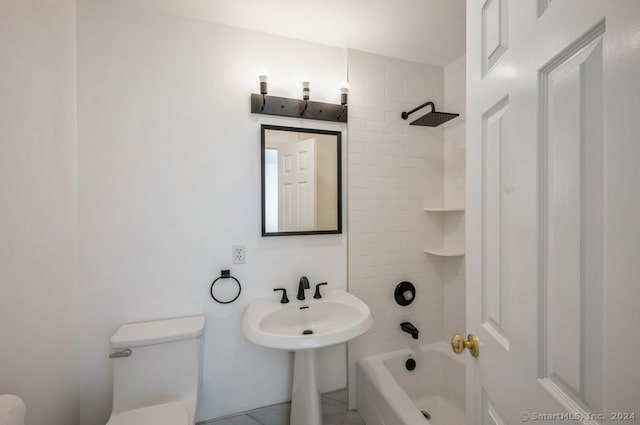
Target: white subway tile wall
x=394, y=171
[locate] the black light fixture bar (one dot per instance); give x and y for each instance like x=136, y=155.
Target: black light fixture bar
x=295, y=108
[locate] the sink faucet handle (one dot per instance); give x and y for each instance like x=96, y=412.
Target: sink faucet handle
x=284, y=299
x=317, y=295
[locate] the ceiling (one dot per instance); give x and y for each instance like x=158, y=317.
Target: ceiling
x=426, y=31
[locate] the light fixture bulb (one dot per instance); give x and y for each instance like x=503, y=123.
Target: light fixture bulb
x=344, y=92
x=263, y=84
x=305, y=90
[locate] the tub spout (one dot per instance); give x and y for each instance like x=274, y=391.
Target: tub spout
x=409, y=328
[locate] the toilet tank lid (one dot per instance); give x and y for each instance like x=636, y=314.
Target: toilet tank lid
x=157, y=331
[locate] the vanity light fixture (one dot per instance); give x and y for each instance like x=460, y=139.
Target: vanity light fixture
x=263, y=90
x=344, y=93
x=263, y=84
x=305, y=90
x=296, y=108
x=305, y=96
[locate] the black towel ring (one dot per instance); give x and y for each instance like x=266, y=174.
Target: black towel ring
x=225, y=274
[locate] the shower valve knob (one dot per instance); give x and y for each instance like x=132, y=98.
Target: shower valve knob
x=404, y=293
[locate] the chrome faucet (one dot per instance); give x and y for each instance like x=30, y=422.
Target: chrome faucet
x=302, y=285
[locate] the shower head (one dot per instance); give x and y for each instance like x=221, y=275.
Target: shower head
x=431, y=119
x=434, y=119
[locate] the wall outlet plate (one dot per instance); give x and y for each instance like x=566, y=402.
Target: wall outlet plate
x=239, y=254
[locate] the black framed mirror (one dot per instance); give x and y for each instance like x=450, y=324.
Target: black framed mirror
x=301, y=181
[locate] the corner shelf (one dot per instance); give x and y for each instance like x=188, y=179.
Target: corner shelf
x=457, y=249
x=445, y=209
x=445, y=252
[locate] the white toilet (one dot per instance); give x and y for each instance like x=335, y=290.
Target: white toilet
x=156, y=367
x=12, y=410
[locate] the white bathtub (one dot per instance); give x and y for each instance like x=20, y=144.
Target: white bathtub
x=389, y=394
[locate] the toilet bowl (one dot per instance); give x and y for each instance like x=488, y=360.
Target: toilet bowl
x=156, y=368
x=12, y=410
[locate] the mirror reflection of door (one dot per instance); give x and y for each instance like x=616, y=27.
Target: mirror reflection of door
x=301, y=181
x=297, y=186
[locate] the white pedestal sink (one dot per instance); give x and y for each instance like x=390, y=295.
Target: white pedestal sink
x=303, y=327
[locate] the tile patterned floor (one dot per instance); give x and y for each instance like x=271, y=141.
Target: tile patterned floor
x=334, y=410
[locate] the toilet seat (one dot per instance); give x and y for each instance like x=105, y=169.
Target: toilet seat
x=160, y=414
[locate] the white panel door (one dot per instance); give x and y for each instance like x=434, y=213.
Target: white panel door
x=553, y=207
x=297, y=186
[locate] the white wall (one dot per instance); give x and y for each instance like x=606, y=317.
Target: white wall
x=38, y=209
x=169, y=180
x=395, y=170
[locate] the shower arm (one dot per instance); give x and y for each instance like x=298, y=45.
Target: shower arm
x=405, y=115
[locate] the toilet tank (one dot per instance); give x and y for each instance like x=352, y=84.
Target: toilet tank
x=164, y=364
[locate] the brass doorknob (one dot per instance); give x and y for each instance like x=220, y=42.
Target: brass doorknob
x=458, y=344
